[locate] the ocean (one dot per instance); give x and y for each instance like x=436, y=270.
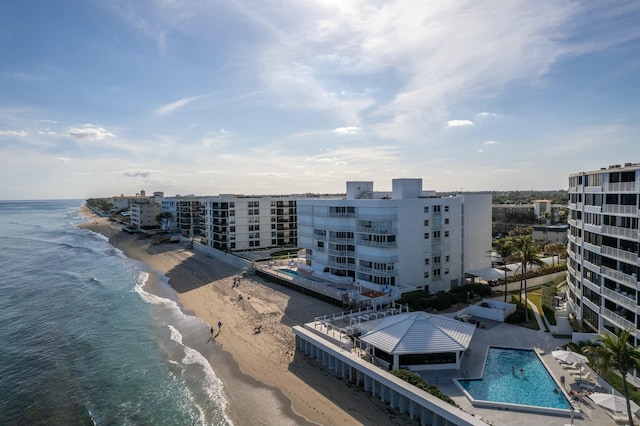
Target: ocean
x=83, y=342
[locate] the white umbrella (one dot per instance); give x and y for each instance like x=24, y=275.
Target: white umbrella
x=571, y=357
x=613, y=402
x=568, y=356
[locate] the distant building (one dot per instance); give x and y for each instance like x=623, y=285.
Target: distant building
x=185, y=214
x=404, y=239
x=144, y=215
x=603, y=264
x=239, y=222
x=506, y=217
x=124, y=202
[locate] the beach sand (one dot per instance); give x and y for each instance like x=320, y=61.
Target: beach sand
x=204, y=288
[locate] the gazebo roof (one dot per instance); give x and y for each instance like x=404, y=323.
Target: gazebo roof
x=420, y=332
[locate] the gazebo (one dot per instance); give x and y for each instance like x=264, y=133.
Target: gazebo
x=419, y=341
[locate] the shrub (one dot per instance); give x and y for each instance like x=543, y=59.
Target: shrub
x=419, y=382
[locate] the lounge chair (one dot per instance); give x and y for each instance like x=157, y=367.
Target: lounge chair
x=619, y=418
x=569, y=366
x=579, y=373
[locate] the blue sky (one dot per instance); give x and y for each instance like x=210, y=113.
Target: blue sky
x=99, y=98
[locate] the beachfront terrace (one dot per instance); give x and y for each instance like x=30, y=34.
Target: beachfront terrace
x=338, y=291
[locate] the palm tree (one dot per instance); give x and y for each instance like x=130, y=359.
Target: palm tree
x=505, y=250
x=528, y=253
x=615, y=353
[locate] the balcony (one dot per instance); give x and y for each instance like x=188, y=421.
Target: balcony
x=377, y=272
x=341, y=240
x=626, y=256
x=618, y=320
x=378, y=244
x=615, y=231
x=619, y=299
x=622, y=187
x=620, y=209
x=347, y=253
x=340, y=265
x=378, y=231
x=619, y=276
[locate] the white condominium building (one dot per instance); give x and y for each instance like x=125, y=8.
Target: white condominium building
x=186, y=213
x=603, y=248
x=407, y=238
x=239, y=222
x=144, y=215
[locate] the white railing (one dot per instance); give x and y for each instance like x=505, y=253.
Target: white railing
x=622, y=187
x=628, y=256
x=378, y=272
x=619, y=276
x=619, y=209
x=620, y=232
x=385, y=244
x=618, y=320
x=620, y=299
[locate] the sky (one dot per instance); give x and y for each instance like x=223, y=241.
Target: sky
x=101, y=98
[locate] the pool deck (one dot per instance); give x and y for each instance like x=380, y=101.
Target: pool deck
x=507, y=335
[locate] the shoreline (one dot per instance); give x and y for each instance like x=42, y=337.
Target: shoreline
x=203, y=288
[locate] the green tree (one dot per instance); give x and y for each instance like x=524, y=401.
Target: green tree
x=505, y=250
x=615, y=353
x=528, y=253
x=160, y=218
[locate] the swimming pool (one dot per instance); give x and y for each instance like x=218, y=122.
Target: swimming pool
x=289, y=272
x=515, y=378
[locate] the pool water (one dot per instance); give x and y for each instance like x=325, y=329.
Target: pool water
x=534, y=386
x=289, y=272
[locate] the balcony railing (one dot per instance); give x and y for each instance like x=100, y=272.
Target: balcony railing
x=340, y=265
x=618, y=320
x=350, y=253
x=372, y=230
x=628, y=256
x=379, y=244
x=617, y=231
x=622, y=187
x=620, y=299
x=341, y=240
x=619, y=276
x=620, y=209
x=377, y=272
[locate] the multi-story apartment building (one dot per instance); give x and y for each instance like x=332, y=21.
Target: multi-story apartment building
x=603, y=265
x=407, y=238
x=144, y=215
x=239, y=222
x=186, y=213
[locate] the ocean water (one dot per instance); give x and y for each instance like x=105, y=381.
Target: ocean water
x=82, y=341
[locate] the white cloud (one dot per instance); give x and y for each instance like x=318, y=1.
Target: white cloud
x=459, y=123
x=89, y=133
x=490, y=142
x=350, y=130
x=174, y=106
x=65, y=160
x=20, y=133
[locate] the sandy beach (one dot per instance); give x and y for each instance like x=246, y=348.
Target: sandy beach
x=204, y=288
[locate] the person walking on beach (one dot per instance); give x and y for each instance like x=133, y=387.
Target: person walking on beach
x=219, y=324
x=211, y=332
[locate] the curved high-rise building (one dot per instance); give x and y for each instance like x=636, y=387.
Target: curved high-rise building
x=603, y=263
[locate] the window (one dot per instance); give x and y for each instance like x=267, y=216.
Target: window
x=446, y=208
x=426, y=222
x=426, y=235
x=426, y=209
x=446, y=234
x=436, y=259
x=446, y=220
x=436, y=234
x=436, y=272
x=426, y=274
x=426, y=261
x=446, y=258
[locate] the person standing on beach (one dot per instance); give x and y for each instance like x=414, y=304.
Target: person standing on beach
x=219, y=324
x=212, y=332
